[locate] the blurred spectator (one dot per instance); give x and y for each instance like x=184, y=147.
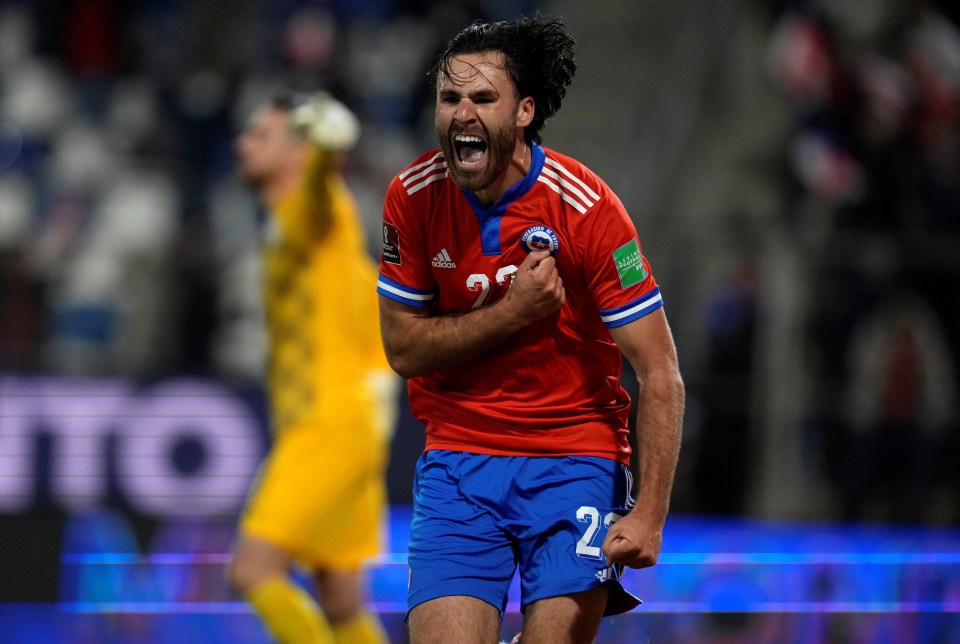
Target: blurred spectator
x=874, y=164
x=111, y=295
x=850, y=150
x=21, y=296
x=724, y=446
x=932, y=55
x=899, y=400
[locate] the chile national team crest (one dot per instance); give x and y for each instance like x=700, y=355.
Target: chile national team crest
x=540, y=238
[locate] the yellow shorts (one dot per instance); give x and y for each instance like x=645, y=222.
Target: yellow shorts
x=321, y=493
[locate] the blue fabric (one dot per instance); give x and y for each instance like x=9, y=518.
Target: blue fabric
x=477, y=517
x=489, y=218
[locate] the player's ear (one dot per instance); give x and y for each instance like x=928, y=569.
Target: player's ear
x=525, y=111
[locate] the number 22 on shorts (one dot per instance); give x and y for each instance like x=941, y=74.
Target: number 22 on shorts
x=591, y=516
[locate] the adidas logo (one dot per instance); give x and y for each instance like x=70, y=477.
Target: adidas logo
x=442, y=260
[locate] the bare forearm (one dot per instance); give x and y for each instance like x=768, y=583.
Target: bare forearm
x=428, y=343
x=417, y=342
x=636, y=539
x=659, y=425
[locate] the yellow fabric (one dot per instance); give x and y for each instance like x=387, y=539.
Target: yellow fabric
x=289, y=613
x=365, y=628
x=320, y=494
x=320, y=292
x=322, y=498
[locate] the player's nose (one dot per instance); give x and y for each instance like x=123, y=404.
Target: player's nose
x=465, y=111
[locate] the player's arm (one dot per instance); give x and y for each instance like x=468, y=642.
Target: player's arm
x=332, y=130
x=326, y=189
x=418, y=341
x=648, y=344
x=321, y=172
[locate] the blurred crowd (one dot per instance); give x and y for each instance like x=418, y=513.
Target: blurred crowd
x=871, y=205
x=875, y=158
x=128, y=247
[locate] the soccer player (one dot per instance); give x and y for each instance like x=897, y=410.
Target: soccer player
x=320, y=497
x=511, y=280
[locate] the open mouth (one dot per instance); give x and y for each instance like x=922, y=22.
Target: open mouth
x=471, y=150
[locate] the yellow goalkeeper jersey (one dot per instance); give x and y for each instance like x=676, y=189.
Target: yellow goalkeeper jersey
x=320, y=303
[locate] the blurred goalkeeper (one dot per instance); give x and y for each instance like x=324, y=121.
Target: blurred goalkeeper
x=320, y=497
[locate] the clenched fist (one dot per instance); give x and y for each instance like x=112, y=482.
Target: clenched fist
x=537, y=288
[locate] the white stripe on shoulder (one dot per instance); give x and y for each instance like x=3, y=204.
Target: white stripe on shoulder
x=570, y=176
x=436, y=167
x=423, y=184
x=563, y=194
x=403, y=175
x=566, y=185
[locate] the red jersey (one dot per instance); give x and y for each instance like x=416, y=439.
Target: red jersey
x=553, y=388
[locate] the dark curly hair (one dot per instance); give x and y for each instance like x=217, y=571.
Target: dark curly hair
x=538, y=57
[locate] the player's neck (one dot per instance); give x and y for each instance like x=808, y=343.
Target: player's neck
x=515, y=171
x=522, y=158
x=275, y=190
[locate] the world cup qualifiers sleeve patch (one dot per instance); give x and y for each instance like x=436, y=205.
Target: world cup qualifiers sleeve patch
x=629, y=261
x=391, y=244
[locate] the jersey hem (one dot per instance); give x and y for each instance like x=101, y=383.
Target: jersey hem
x=433, y=445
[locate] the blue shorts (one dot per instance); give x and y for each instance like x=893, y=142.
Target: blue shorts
x=477, y=517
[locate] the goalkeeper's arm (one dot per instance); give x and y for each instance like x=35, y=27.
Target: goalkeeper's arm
x=333, y=130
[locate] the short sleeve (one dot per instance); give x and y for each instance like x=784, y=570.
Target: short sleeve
x=617, y=273
x=405, y=274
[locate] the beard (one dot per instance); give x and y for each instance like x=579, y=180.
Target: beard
x=500, y=146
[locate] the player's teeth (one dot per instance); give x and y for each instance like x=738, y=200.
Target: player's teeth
x=468, y=139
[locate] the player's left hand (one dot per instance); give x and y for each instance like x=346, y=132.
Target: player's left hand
x=633, y=541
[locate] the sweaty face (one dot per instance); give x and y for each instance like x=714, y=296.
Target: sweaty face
x=262, y=146
x=476, y=119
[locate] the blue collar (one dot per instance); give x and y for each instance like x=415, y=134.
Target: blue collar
x=489, y=218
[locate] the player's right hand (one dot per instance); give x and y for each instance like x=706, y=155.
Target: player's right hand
x=537, y=288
